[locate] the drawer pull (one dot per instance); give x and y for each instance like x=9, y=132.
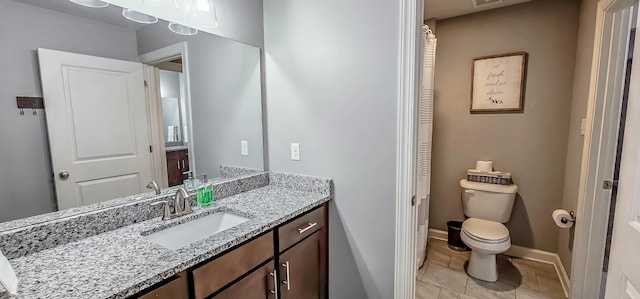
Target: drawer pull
x=308, y=227
x=275, y=284
x=287, y=282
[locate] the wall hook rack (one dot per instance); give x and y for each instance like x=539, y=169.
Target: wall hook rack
x=30, y=103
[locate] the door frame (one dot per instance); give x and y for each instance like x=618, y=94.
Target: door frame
x=599, y=149
x=161, y=55
x=156, y=130
x=409, y=46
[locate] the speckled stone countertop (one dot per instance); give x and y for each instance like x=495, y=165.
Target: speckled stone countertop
x=122, y=262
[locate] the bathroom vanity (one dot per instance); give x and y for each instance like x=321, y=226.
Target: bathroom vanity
x=107, y=250
x=289, y=261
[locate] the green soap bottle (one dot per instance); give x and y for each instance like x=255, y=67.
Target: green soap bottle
x=205, y=193
x=205, y=197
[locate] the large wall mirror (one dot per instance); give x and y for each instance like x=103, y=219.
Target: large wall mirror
x=124, y=103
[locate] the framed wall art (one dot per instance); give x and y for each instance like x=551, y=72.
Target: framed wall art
x=497, y=83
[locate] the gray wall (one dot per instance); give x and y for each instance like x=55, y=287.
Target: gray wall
x=532, y=145
x=586, y=34
x=331, y=71
x=25, y=175
x=225, y=97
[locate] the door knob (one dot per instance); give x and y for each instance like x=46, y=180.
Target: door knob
x=63, y=175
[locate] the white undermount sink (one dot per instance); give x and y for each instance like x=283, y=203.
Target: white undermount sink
x=195, y=230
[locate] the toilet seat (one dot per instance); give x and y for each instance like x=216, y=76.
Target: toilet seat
x=485, y=231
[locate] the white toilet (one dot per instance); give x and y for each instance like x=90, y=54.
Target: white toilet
x=488, y=206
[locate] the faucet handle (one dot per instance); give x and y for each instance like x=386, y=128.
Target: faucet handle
x=167, y=214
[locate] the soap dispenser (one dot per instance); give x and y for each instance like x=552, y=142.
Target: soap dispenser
x=205, y=192
x=189, y=182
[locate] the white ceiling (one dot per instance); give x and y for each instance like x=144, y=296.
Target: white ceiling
x=442, y=9
x=111, y=14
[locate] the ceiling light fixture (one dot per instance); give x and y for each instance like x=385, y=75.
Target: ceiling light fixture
x=201, y=13
x=91, y=3
x=138, y=17
x=204, y=13
x=182, y=29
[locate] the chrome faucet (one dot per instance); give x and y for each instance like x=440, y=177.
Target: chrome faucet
x=153, y=185
x=182, y=202
x=181, y=205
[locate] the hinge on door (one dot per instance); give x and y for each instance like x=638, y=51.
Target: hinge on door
x=145, y=83
x=609, y=184
x=413, y=200
x=150, y=149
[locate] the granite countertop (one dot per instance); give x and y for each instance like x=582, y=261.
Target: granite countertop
x=122, y=262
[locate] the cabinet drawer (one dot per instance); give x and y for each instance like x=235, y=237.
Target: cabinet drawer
x=301, y=227
x=214, y=275
x=176, y=289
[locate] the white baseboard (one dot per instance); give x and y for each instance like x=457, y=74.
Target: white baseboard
x=524, y=253
x=437, y=234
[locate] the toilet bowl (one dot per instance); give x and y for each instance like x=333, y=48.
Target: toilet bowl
x=486, y=239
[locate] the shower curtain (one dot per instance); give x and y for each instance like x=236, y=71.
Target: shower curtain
x=425, y=131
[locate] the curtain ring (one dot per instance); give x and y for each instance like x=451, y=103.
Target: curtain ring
x=35, y=112
x=21, y=111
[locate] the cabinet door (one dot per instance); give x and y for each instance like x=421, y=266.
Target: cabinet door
x=175, y=289
x=174, y=168
x=260, y=284
x=300, y=270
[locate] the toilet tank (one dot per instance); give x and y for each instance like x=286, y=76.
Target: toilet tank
x=488, y=201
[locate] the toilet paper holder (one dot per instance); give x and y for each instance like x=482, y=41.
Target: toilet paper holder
x=573, y=218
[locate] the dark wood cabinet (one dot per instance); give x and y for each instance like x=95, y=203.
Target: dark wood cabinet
x=260, y=284
x=177, y=287
x=177, y=165
x=288, y=262
x=300, y=270
x=214, y=275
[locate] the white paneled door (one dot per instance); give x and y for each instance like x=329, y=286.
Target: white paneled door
x=97, y=122
x=623, y=279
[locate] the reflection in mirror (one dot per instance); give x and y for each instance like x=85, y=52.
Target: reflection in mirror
x=173, y=107
x=116, y=114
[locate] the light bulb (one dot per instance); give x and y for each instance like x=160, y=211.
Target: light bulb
x=203, y=5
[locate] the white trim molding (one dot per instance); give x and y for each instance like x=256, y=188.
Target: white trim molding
x=613, y=23
x=525, y=254
x=410, y=34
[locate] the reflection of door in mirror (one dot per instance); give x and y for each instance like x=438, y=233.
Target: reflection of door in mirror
x=96, y=157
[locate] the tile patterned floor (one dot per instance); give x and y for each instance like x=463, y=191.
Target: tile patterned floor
x=443, y=276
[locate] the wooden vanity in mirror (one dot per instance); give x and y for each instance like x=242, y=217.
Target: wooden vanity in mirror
x=177, y=166
x=287, y=262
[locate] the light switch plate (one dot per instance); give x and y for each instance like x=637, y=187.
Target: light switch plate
x=295, y=151
x=244, y=148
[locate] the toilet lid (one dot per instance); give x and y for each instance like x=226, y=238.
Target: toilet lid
x=485, y=230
